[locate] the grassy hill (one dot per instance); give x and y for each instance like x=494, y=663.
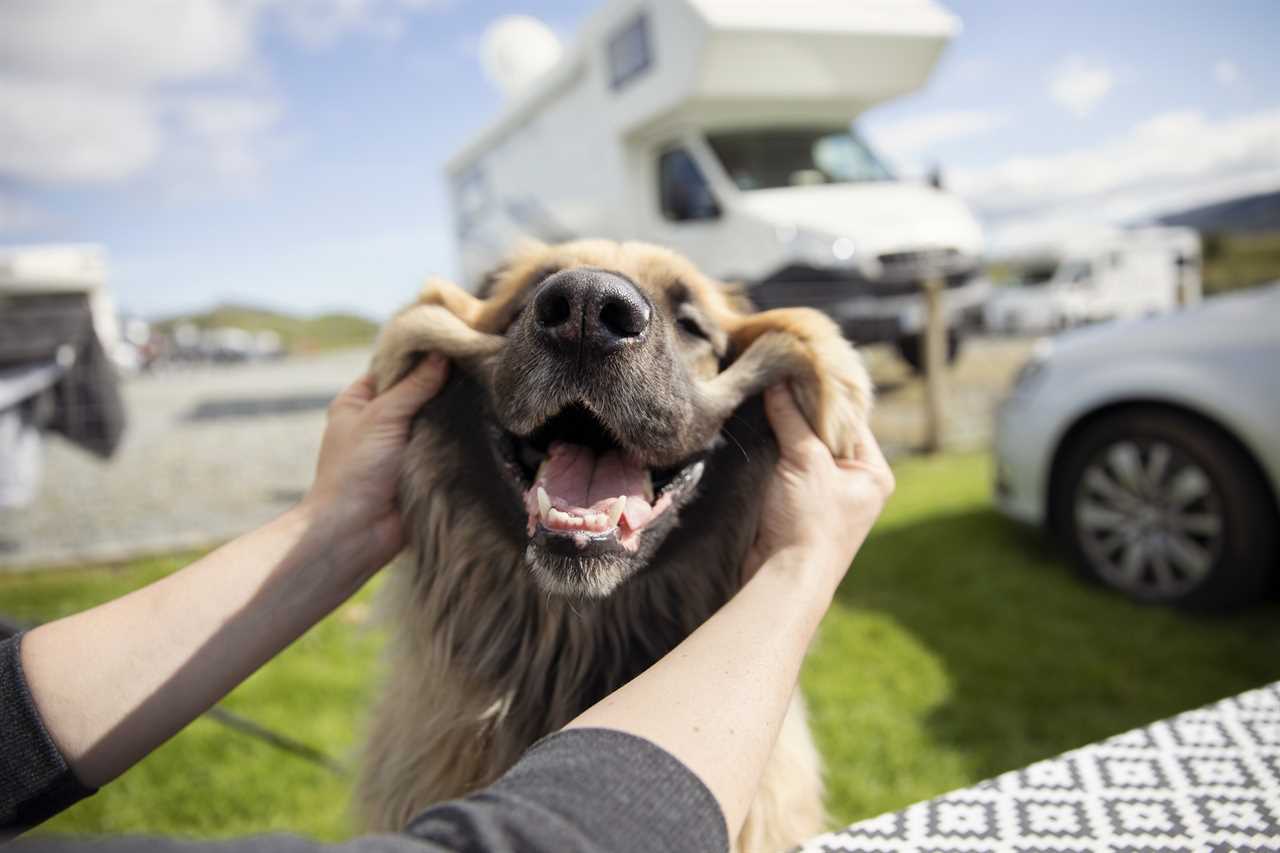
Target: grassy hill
x=1233, y=261
x=300, y=334
x=1241, y=240
x=1249, y=214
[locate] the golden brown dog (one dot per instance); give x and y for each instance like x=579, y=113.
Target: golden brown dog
x=578, y=499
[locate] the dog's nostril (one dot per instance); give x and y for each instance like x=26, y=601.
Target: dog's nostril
x=553, y=309
x=624, y=318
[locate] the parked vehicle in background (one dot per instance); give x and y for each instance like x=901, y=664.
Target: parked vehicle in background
x=1151, y=449
x=60, y=358
x=1132, y=272
x=722, y=129
x=41, y=282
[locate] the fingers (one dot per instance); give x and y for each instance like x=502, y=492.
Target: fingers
x=353, y=396
x=870, y=458
x=420, y=385
x=868, y=450
x=790, y=427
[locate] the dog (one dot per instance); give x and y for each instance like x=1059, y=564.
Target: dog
x=578, y=499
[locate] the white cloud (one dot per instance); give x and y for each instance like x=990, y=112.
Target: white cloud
x=1079, y=85
x=1167, y=162
x=911, y=137
x=58, y=133
x=134, y=42
x=103, y=91
x=517, y=49
x=319, y=23
x=1226, y=72
x=226, y=131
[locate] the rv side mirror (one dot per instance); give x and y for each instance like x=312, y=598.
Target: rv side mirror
x=936, y=178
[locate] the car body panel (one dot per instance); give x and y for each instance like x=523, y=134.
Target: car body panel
x=1220, y=360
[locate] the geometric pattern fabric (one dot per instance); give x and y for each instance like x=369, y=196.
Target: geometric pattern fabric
x=1207, y=781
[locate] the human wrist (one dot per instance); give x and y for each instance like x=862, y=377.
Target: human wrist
x=336, y=547
x=807, y=569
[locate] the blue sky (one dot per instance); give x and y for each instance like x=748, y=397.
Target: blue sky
x=290, y=153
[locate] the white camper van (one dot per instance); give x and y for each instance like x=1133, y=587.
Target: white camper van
x=1107, y=275
x=722, y=128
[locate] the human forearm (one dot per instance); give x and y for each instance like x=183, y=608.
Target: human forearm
x=114, y=682
x=747, y=656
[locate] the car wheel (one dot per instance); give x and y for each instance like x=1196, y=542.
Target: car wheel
x=911, y=349
x=1165, y=508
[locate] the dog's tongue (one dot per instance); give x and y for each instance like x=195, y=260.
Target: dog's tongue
x=580, y=493
x=576, y=477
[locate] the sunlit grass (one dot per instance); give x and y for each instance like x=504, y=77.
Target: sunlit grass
x=958, y=647
x=211, y=781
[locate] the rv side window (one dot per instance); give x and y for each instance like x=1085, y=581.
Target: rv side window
x=629, y=53
x=683, y=191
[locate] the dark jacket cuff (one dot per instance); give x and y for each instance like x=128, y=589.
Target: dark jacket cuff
x=35, y=781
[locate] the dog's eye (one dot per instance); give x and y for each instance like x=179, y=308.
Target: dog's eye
x=690, y=327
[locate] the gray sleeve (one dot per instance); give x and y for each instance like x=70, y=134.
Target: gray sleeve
x=580, y=791
x=35, y=781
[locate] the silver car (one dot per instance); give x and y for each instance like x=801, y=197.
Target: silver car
x=1151, y=449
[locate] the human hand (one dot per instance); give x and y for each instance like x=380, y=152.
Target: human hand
x=360, y=455
x=816, y=506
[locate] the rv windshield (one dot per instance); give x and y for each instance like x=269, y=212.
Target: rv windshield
x=767, y=159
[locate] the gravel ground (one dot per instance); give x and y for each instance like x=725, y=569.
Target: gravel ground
x=214, y=451
x=972, y=388
x=208, y=453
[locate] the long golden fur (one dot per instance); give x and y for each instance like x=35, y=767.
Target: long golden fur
x=484, y=658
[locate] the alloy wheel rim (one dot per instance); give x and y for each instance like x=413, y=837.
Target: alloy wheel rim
x=1149, y=518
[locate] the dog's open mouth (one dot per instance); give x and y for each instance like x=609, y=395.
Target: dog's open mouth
x=584, y=492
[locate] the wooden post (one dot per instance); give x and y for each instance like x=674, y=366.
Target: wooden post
x=935, y=362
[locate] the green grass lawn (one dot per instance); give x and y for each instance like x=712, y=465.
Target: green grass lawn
x=959, y=647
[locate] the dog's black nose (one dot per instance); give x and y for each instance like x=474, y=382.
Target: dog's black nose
x=595, y=310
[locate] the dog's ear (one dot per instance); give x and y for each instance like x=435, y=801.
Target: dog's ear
x=805, y=348
x=445, y=318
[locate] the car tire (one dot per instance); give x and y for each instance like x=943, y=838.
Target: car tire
x=1166, y=508
x=911, y=349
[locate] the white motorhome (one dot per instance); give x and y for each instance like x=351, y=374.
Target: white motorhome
x=1110, y=274
x=722, y=128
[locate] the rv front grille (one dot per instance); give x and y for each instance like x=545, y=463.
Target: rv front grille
x=824, y=289
x=917, y=265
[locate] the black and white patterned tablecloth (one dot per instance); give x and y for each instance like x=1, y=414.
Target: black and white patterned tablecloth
x=1206, y=780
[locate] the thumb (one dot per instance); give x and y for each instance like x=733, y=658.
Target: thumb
x=420, y=385
x=788, y=423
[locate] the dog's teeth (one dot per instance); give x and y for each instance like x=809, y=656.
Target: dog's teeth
x=648, y=486
x=616, y=508
x=544, y=503
x=555, y=516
